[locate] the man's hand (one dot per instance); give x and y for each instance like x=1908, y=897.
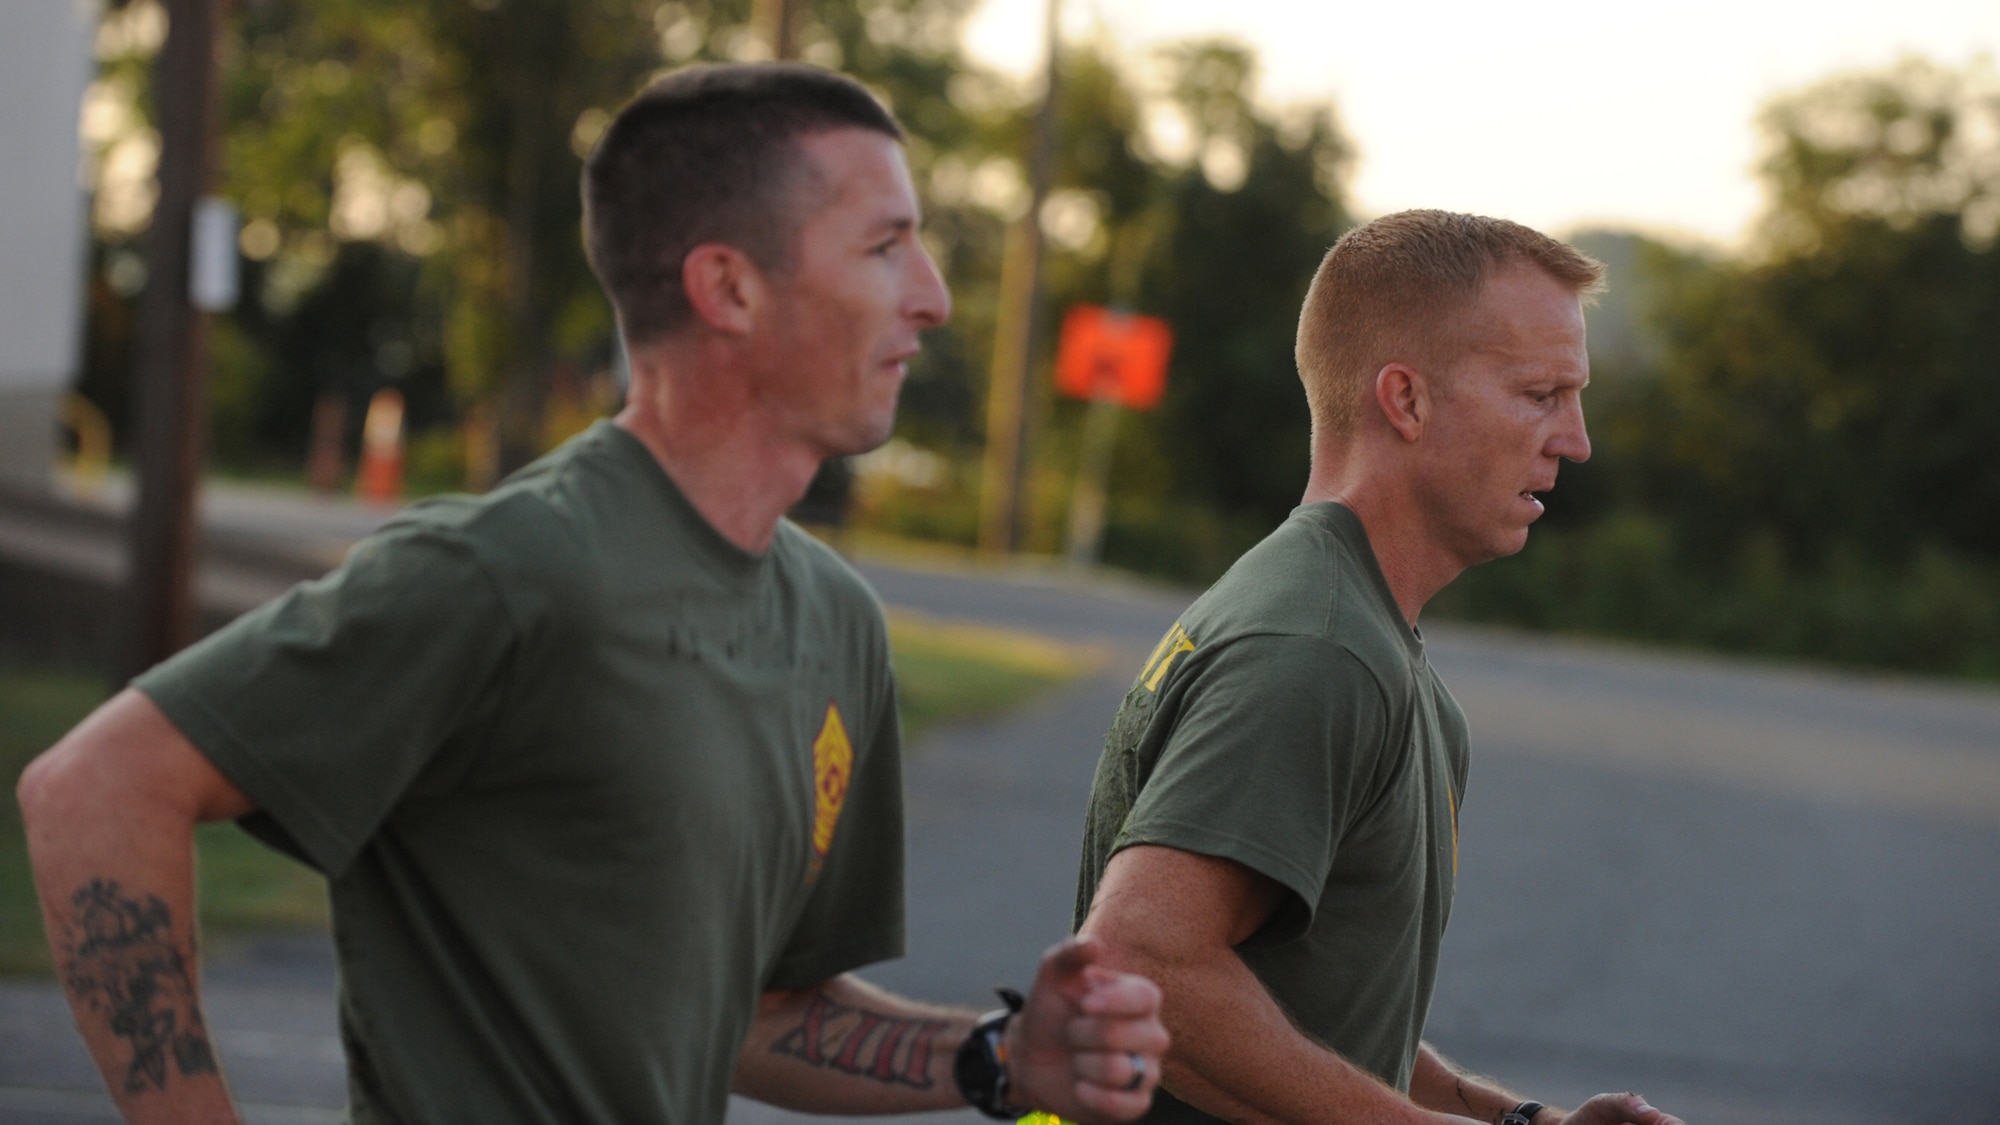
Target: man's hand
x=1619, y=1109
x=1087, y=1045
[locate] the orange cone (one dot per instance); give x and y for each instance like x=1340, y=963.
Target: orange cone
x=380, y=479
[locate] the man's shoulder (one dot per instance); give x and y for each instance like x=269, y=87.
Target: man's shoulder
x=553, y=537
x=1304, y=580
x=840, y=598
x=589, y=491
x=507, y=530
x=817, y=562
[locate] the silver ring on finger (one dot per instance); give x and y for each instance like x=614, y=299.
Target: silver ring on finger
x=1138, y=1072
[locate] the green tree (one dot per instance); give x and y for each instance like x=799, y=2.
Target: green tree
x=1246, y=226
x=429, y=151
x=1793, y=447
x=1840, y=388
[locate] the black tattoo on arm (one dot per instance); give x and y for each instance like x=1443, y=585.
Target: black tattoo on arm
x=123, y=963
x=866, y=1044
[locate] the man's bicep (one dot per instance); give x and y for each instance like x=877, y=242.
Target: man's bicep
x=129, y=747
x=1165, y=902
x=327, y=705
x=1271, y=739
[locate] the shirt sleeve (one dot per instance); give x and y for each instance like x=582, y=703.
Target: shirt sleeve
x=1264, y=753
x=854, y=916
x=325, y=705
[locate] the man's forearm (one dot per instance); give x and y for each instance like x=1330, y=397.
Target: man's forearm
x=1237, y=1056
x=848, y=1047
x=1438, y=1083
x=117, y=893
x=1177, y=917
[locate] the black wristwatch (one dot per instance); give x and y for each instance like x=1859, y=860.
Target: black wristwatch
x=981, y=1066
x=1523, y=1114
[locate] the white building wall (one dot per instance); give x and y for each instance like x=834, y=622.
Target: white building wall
x=45, y=63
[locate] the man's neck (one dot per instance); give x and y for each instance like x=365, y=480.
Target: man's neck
x=1412, y=562
x=736, y=470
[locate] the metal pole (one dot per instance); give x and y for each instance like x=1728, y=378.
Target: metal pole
x=776, y=22
x=1093, y=474
x=1005, y=465
x=171, y=366
x=1100, y=427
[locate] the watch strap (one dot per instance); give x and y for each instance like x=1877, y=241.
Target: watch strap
x=980, y=1068
x=1523, y=1114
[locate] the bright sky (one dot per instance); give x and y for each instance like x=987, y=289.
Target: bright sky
x=1556, y=113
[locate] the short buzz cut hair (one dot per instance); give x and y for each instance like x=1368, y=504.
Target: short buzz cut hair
x=1397, y=290
x=707, y=154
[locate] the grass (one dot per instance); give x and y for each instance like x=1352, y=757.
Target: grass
x=946, y=672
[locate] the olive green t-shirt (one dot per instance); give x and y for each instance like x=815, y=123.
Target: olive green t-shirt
x=584, y=778
x=1290, y=722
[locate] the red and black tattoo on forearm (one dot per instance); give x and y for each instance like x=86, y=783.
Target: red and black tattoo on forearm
x=123, y=963
x=866, y=1044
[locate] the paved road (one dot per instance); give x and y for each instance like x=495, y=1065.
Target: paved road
x=1755, y=895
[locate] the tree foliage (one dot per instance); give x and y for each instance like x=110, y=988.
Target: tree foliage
x=1221, y=245
x=407, y=172
x=1800, y=457
x=1841, y=390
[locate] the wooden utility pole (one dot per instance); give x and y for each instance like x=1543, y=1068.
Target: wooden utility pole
x=1004, y=468
x=171, y=367
x=776, y=22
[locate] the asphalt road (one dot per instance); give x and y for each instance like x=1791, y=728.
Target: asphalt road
x=1752, y=894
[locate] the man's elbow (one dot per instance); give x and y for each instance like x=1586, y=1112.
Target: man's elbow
x=28, y=790
x=87, y=784
x=53, y=792
x=38, y=786
x=1133, y=945
x=127, y=766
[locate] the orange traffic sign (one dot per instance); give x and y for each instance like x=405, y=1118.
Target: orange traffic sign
x=1120, y=357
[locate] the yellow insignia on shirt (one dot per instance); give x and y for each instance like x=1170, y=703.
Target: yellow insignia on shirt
x=833, y=770
x=1172, y=645
x=1452, y=796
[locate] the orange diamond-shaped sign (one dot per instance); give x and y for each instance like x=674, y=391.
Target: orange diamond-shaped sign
x=1106, y=354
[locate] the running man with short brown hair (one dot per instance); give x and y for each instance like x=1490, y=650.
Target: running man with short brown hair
x=603, y=768
x=1273, y=830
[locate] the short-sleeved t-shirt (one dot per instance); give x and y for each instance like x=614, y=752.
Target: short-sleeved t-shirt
x=584, y=777
x=1291, y=723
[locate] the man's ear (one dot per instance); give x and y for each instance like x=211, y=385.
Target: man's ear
x=723, y=286
x=1404, y=397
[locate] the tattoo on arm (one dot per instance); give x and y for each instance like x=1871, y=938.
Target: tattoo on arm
x=123, y=963
x=866, y=1044
x=1458, y=1080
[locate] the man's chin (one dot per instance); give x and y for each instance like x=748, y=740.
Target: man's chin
x=1498, y=547
x=862, y=439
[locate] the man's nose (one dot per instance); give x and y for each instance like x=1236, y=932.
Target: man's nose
x=930, y=301
x=1572, y=439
